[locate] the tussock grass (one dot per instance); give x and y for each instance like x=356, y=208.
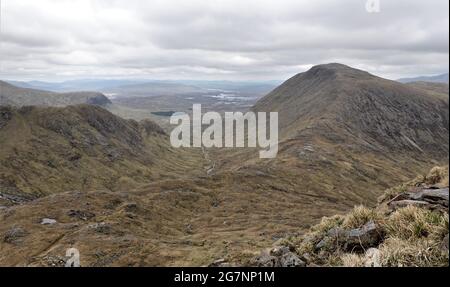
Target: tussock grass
x=438, y=176
x=397, y=252
x=359, y=216
x=413, y=236
x=411, y=223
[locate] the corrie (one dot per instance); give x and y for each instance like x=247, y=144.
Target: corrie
x=260, y=132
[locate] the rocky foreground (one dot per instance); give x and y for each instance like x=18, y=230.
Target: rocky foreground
x=409, y=228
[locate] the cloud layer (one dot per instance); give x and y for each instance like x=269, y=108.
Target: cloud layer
x=213, y=39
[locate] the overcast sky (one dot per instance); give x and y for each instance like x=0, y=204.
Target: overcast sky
x=229, y=39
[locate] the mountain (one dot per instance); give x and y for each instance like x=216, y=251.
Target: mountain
x=47, y=150
x=16, y=96
x=152, y=89
x=433, y=79
x=76, y=85
x=408, y=228
x=348, y=105
x=117, y=191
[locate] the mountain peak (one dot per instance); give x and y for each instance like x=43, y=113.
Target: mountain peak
x=334, y=69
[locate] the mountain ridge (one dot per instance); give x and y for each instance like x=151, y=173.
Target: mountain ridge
x=16, y=96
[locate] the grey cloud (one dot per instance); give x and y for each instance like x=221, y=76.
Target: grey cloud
x=232, y=39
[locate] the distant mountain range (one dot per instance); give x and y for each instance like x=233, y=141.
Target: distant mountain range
x=17, y=96
x=434, y=79
x=150, y=87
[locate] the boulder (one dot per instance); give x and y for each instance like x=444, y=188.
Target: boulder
x=48, y=221
x=363, y=238
x=358, y=239
x=265, y=260
x=279, y=256
x=290, y=259
x=422, y=197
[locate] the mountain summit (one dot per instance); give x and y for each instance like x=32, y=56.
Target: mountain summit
x=353, y=106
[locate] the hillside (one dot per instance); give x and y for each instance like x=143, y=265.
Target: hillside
x=52, y=150
x=437, y=89
x=346, y=136
x=18, y=97
x=123, y=197
x=408, y=228
x=357, y=107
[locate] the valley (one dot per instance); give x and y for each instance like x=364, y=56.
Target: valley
x=115, y=189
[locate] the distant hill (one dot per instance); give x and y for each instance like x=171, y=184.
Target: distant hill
x=434, y=79
x=16, y=96
x=97, y=85
x=152, y=89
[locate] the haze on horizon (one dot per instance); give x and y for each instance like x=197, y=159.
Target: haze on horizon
x=55, y=40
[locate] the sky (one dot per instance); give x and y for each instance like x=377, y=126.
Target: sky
x=56, y=40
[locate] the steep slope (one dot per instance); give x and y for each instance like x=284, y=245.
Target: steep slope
x=409, y=228
x=341, y=145
x=51, y=150
x=14, y=96
x=353, y=105
x=348, y=135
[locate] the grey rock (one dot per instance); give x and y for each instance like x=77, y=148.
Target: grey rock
x=289, y=259
x=408, y=202
x=357, y=239
x=435, y=196
x=48, y=221
x=265, y=260
x=427, y=198
x=363, y=238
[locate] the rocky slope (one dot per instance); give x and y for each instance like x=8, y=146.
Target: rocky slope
x=409, y=228
x=52, y=150
x=353, y=106
x=131, y=200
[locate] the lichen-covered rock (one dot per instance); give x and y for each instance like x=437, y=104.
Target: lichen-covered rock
x=358, y=239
